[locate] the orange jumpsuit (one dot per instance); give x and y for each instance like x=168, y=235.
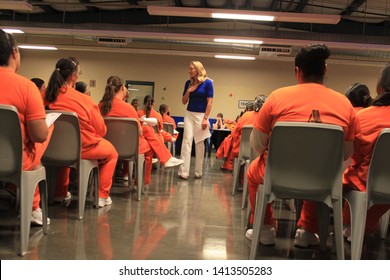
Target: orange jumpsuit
x=165, y=136
x=155, y=140
x=169, y=119
x=372, y=120
x=92, y=128
x=295, y=103
x=123, y=109
x=25, y=96
x=246, y=119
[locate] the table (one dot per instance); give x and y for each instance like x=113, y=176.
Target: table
x=218, y=136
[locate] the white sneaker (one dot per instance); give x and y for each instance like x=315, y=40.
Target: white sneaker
x=65, y=199
x=173, y=140
x=347, y=233
x=154, y=160
x=304, y=238
x=172, y=162
x=104, y=202
x=36, y=217
x=267, y=235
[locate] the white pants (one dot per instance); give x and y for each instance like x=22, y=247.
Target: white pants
x=192, y=123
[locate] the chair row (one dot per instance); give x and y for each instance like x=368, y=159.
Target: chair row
x=305, y=161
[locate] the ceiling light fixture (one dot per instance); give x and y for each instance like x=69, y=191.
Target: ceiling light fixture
x=12, y=31
x=243, y=14
x=16, y=5
x=235, y=57
x=31, y=47
x=238, y=41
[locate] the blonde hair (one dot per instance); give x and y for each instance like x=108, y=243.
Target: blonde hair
x=202, y=75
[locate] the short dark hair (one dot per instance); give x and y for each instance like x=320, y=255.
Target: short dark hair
x=311, y=60
x=7, y=44
x=81, y=87
x=38, y=82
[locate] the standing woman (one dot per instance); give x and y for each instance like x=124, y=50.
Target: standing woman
x=60, y=95
x=198, y=93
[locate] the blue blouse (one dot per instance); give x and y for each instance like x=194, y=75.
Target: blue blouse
x=197, y=101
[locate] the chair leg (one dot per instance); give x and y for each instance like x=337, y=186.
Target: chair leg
x=44, y=204
x=261, y=204
x=26, y=201
x=338, y=228
x=357, y=202
x=323, y=218
x=140, y=175
x=245, y=185
x=236, y=173
x=85, y=170
x=384, y=224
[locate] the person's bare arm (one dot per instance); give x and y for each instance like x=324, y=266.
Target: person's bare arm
x=37, y=130
x=207, y=113
x=259, y=141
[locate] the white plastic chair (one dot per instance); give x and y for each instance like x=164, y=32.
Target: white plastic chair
x=64, y=150
x=168, y=127
x=123, y=133
x=11, y=157
x=304, y=162
x=378, y=192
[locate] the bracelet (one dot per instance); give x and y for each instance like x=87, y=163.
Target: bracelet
x=205, y=117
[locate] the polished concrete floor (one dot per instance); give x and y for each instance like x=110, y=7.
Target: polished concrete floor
x=175, y=220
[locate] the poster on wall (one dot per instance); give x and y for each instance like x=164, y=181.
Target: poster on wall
x=242, y=103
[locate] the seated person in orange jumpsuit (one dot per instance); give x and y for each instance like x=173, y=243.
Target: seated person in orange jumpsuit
x=149, y=112
x=295, y=104
x=247, y=118
x=359, y=96
x=24, y=95
x=372, y=120
x=166, y=117
x=60, y=95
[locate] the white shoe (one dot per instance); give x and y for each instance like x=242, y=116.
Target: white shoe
x=304, y=238
x=104, y=202
x=154, y=160
x=173, y=140
x=36, y=217
x=267, y=235
x=65, y=199
x=347, y=233
x=172, y=162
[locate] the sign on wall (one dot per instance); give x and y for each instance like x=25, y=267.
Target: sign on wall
x=242, y=103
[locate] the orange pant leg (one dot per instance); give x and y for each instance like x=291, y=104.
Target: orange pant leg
x=255, y=177
x=156, y=144
x=62, y=182
x=166, y=136
x=308, y=219
x=107, y=157
x=32, y=160
x=144, y=148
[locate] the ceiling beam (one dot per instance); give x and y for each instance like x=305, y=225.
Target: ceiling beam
x=89, y=8
x=45, y=7
x=301, y=6
x=352, y=7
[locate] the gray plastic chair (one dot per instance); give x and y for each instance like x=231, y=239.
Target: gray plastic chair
x=378, y=192
x=11, y=164
x=123, y=133
x=65, y=150
x=245, y=157
x=168, y=127
x=304, y=162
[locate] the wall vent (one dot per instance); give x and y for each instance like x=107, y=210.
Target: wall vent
x=274, y=50
x=112, y=41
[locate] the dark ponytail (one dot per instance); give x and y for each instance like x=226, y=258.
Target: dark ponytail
x=114, y=84
x=65, y=67
x=148, y=102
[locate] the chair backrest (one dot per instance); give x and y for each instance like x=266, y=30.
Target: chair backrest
x=123, y=134
x=378, y=181
x=305, y=161
x=65, y=144
x=11, y=147
x=246, y=150
x=168, y=127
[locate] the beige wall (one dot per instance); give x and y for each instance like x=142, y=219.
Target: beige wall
x=233, y=80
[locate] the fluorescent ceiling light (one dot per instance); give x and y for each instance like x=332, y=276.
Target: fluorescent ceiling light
x=238, y=41
x=31, y=47
x=12, y=31
x=16, y=5
x=234, y=57
x=243, y=14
